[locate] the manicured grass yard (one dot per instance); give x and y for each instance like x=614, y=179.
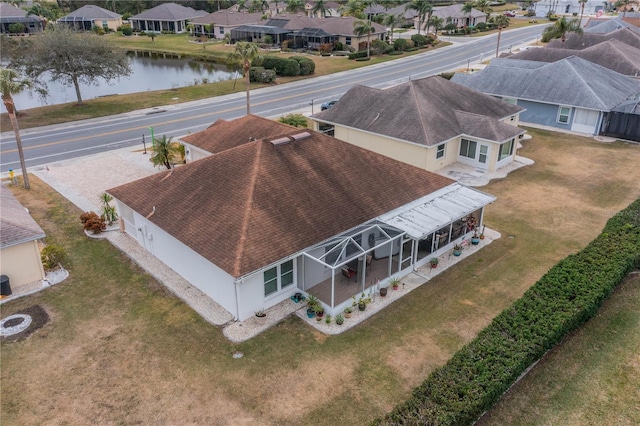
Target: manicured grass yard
x=119, y=349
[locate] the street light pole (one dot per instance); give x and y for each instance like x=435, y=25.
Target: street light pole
x=144, y=144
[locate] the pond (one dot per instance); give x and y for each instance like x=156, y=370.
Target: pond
x=148, y=73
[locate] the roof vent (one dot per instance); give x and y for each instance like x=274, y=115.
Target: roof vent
x=281, y=141
x=300, y=136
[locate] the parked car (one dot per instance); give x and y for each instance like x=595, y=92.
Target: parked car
x=328, y=105
x=510, y=13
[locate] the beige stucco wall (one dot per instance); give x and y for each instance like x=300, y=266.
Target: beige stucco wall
x=21, y=263
x=113, y=24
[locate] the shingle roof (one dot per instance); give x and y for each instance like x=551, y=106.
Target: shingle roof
x=229, y=17
x=577, y=41
x=607, y=26
x=91, y=12
x=10, y=13
x=455, y=11
x=169, y=12
x=16, y=224
x=343, y=25
x=420, y=111
x=612, y=54
x=571, y=81
x=255, y=204
x=223, y=135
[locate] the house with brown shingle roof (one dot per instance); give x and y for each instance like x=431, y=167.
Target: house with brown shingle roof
x=220, y=23
x=169, y=17
x=429, y=123
x=291, y=210
x=19, y=235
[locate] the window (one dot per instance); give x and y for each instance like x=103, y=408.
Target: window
x=278, y=277
x=440, y=151
x=510, y=101
x=221, y=30
x=348, y=41
x=563, y=114
x=506, y=149
x=468, y=148
x=105, y=25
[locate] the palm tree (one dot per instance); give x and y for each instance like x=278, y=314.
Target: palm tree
x=422, y=8
x=9, y=85
x=468, y=8
x=582, y=3
x=352, y=8
x=294, y=6
x=321, y=7
x=560, y=29
x=244, y=55
x=361, y=28
x=164, y=152
x=392, y=21
x=622, y=4
x=485, y=6
x=437, y=23
x=502, y=22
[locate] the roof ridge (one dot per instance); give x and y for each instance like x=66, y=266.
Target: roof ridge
x=242, y=244
x=423, y=124
x=580, y=76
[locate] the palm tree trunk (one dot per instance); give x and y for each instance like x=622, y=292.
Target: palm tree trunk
x=581, y=12
x=246, y=71
x=16, y=129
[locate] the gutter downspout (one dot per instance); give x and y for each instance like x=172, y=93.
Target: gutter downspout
x=235, y=287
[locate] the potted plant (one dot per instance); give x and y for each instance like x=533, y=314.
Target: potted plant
x=481, y=236
x=383, y=291
x=457, y=250
x=433, y=262
x=475, y=238
x=395, y=282
x=319, y=311
x=312, y=305
x=347, y=313
x=363, y=301
x=328, y=319
x=339, y=319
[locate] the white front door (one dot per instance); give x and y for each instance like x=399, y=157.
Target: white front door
x=585, y=121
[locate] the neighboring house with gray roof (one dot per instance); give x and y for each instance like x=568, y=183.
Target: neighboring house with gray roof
x=567, y=7
x=10, y=15
x=90, y=16
x=19, y=235
x=570, y=94
x=307, y=32
x=220, y=23
x=612, y=54
x=429, y=123
x=607, y=26
x=582, y=41
x=291, y=210
x=170, y=17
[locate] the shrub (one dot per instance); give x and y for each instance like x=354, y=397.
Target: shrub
x=52, y=255
x=282, y=66
x=127, y=31
x=16, y=28
x=419, y=40
x=400, y=44
x=339, y=46
x=481, y=26
x=379, y=47
x=92, y=222
x=326, y=47
x=307, y=66
x=395, y=53
x=296, y=120
x=363, y=59
x=262, y=75
x=356, y=55
x=568, y=295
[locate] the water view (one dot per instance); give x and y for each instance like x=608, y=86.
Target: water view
x=148, y=73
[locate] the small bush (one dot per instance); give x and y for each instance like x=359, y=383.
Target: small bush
x=296, y=120
x=326, y=47
x=262, y=75
x=400, y=44
x=419, y=40
x=379, y=47
x=307, y=66
x=481, y=26
x=92, y=222
x=282, y=66
x=395, y=53
x=363, y=59
x=127, y=31
x=17, y=28
x=356, y=55
x=52, y=255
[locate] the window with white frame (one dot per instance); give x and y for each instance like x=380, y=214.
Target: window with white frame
x=468, y=148
x=506, y=149
x=221, y=30
x=278, y=277
x=347, y=41
x=563, y=114
x=440, y=151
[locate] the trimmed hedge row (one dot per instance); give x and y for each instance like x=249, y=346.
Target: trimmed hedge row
x=569, y=294
x=289, y=67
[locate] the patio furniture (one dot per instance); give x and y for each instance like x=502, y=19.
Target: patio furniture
x=348, y=273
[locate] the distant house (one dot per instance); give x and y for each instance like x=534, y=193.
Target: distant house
x=567, y=7
x=429, y=123
x=612, y=54
x=170, y=17
x=90, y=16
x=605, y=26
x=19, y=235
x=570, y=94
x=279, y=210
x=455, y=15
x=10, y=15
x=220, y=23
x=331, y=9
x=305, y=32
x=582, y=41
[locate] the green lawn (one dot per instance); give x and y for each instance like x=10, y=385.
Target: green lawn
x=120, y=349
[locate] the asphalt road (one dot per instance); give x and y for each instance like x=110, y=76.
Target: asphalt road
x=45, y=145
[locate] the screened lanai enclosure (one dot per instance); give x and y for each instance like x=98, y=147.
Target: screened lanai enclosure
x=393, y=245
x=257, y=34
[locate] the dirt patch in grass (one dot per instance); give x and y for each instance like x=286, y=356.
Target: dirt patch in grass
x=39, y=317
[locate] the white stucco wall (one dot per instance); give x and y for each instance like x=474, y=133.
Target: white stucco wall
x=22, y=264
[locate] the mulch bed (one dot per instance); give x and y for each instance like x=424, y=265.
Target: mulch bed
x=39, y=318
